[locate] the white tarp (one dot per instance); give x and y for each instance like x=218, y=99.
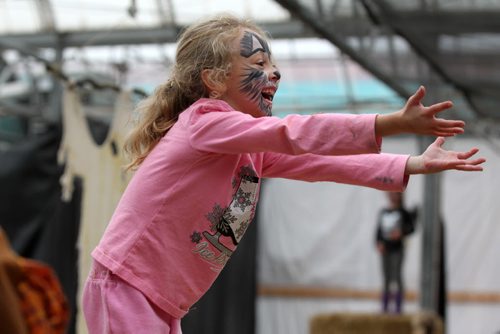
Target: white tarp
x=322, y=235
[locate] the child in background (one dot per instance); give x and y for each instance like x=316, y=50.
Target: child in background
x=394, y=224
x=204, y=141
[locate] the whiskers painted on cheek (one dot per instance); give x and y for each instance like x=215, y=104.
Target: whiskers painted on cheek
x=253, y=83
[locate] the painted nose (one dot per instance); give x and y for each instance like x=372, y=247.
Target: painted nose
x=275, y=76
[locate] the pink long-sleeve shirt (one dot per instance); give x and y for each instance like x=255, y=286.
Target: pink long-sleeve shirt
x=190, y=202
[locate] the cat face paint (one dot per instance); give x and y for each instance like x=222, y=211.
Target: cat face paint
x=252, y=43
x=254, y=76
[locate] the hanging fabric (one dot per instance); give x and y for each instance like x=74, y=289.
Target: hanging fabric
x=101, y=169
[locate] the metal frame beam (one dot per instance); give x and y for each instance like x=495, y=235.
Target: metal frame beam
x=155, y=35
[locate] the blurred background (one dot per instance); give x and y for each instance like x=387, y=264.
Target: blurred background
x=72, y=71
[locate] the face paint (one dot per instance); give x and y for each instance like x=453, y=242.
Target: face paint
x=254, y=81
x=252, y=43
x=252, y=84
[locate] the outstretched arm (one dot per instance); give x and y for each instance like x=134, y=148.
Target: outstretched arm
x=415, y=118
x=436, y=159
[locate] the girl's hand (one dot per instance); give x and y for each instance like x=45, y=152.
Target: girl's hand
x=422, y=120
x=436, y=159
x=415, y=118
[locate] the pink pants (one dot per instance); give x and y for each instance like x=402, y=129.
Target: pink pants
x=112, y=306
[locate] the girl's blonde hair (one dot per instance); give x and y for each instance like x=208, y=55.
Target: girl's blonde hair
x=205, y=45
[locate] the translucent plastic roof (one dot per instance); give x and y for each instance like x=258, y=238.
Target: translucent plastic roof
x=28, y=16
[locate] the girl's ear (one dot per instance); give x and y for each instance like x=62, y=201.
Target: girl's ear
x=211, y=82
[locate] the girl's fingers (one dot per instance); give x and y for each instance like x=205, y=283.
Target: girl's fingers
x=448, y=129
x=468, y=154
x=439, y=141
x=470, y=165
x=417, y=97
x=469, y=168
x=447, y=123
x=447, y=133
x=438, y=107
x=476, y=162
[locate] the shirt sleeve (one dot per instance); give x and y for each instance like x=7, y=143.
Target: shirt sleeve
x=382, y=171
x=234, y=132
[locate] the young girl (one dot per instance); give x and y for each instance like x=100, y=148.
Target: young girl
x=205, y=140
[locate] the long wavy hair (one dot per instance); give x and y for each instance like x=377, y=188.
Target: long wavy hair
x=204, y=45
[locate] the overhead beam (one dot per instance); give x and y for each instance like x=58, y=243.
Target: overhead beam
x=152, y=35
x=447, y=22
x=438, y=23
